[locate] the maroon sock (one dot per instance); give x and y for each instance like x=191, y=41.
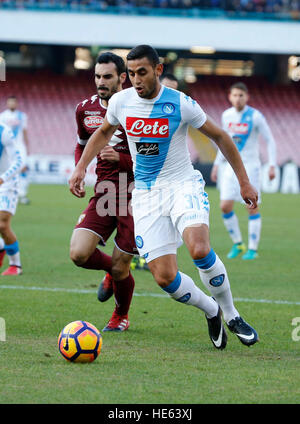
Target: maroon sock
x=123, y=291
x=98, y=260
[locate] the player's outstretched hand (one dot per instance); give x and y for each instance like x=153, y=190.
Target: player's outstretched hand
x=76, y=183
x=250, y=195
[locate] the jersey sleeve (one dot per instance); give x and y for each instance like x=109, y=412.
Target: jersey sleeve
x=82, y=135
x=266, y=133
x=8, y=142
x=111, y=114
x=24, y=121
x=191, y=112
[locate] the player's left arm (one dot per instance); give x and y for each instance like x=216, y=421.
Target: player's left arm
x=267, y=135
x=25, y=132
x=231, y=153
x=8, y=141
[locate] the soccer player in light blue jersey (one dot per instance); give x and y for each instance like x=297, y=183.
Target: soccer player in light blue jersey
x=17, y=122
x=10, y=166
x=169, y=203
x=245, y=125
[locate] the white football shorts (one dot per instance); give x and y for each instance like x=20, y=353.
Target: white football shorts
x=229, y=185
x=9, y=200
x=161, y=215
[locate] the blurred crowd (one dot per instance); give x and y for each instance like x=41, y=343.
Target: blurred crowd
x=289, y=7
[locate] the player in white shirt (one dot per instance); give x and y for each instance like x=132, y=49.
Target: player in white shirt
x=17, y=121
x=169, y=201
x=245, y=124
x=10, y=166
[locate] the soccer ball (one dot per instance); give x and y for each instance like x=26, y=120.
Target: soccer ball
x=80, y=341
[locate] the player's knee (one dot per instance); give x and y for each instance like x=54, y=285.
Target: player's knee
x=78, y=257
x=4, y=226
x=200, y=249
x=225, y=208
x=119, y=271
x=164, y=278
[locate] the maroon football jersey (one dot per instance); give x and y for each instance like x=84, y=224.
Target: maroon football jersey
x=89, y=116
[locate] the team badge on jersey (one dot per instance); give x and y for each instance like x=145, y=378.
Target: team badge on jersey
x=168, y=108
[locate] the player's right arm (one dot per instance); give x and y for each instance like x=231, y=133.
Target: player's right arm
x=97, y=141
x=8, y=141
x=218, y=159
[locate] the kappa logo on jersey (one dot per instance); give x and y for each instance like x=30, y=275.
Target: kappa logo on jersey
x=93, y=121
x=239, y=128
x=92, y=112
x=147, y=127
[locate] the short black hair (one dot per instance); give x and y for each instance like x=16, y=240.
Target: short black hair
x=171, y=77
x=12, y=96
x=109, y=57
x=240, y=85
x=144, y=50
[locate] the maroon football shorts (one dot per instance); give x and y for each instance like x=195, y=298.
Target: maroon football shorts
x=104, y=226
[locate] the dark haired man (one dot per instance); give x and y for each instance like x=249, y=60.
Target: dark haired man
x=169, y=80
x=169, y=201
x=245, y=124
x=108, y=208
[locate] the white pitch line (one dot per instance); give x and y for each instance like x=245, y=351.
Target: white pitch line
x=86, y=291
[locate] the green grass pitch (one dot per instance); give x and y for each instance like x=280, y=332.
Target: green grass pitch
x=166, y=356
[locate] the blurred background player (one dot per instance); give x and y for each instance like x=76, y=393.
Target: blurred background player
x=17, y=121
x=10, y=166
x=169, y=80
x=245, y=124
x=93, y=229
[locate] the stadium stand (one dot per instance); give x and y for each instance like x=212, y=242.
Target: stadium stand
x=283, y=9
x=50, y=99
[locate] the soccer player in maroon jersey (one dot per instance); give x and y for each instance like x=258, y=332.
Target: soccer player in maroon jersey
x=108, y=208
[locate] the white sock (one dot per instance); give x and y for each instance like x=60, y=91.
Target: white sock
x=2, y=244
x=13, y=253
x=214, y=276
x=254, y=229
x=184, y=290
x=232, y=225
x=23, y=184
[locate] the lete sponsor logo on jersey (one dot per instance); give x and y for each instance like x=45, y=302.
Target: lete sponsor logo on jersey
x=238, y=128
x=93, y=121
x=147, y=127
